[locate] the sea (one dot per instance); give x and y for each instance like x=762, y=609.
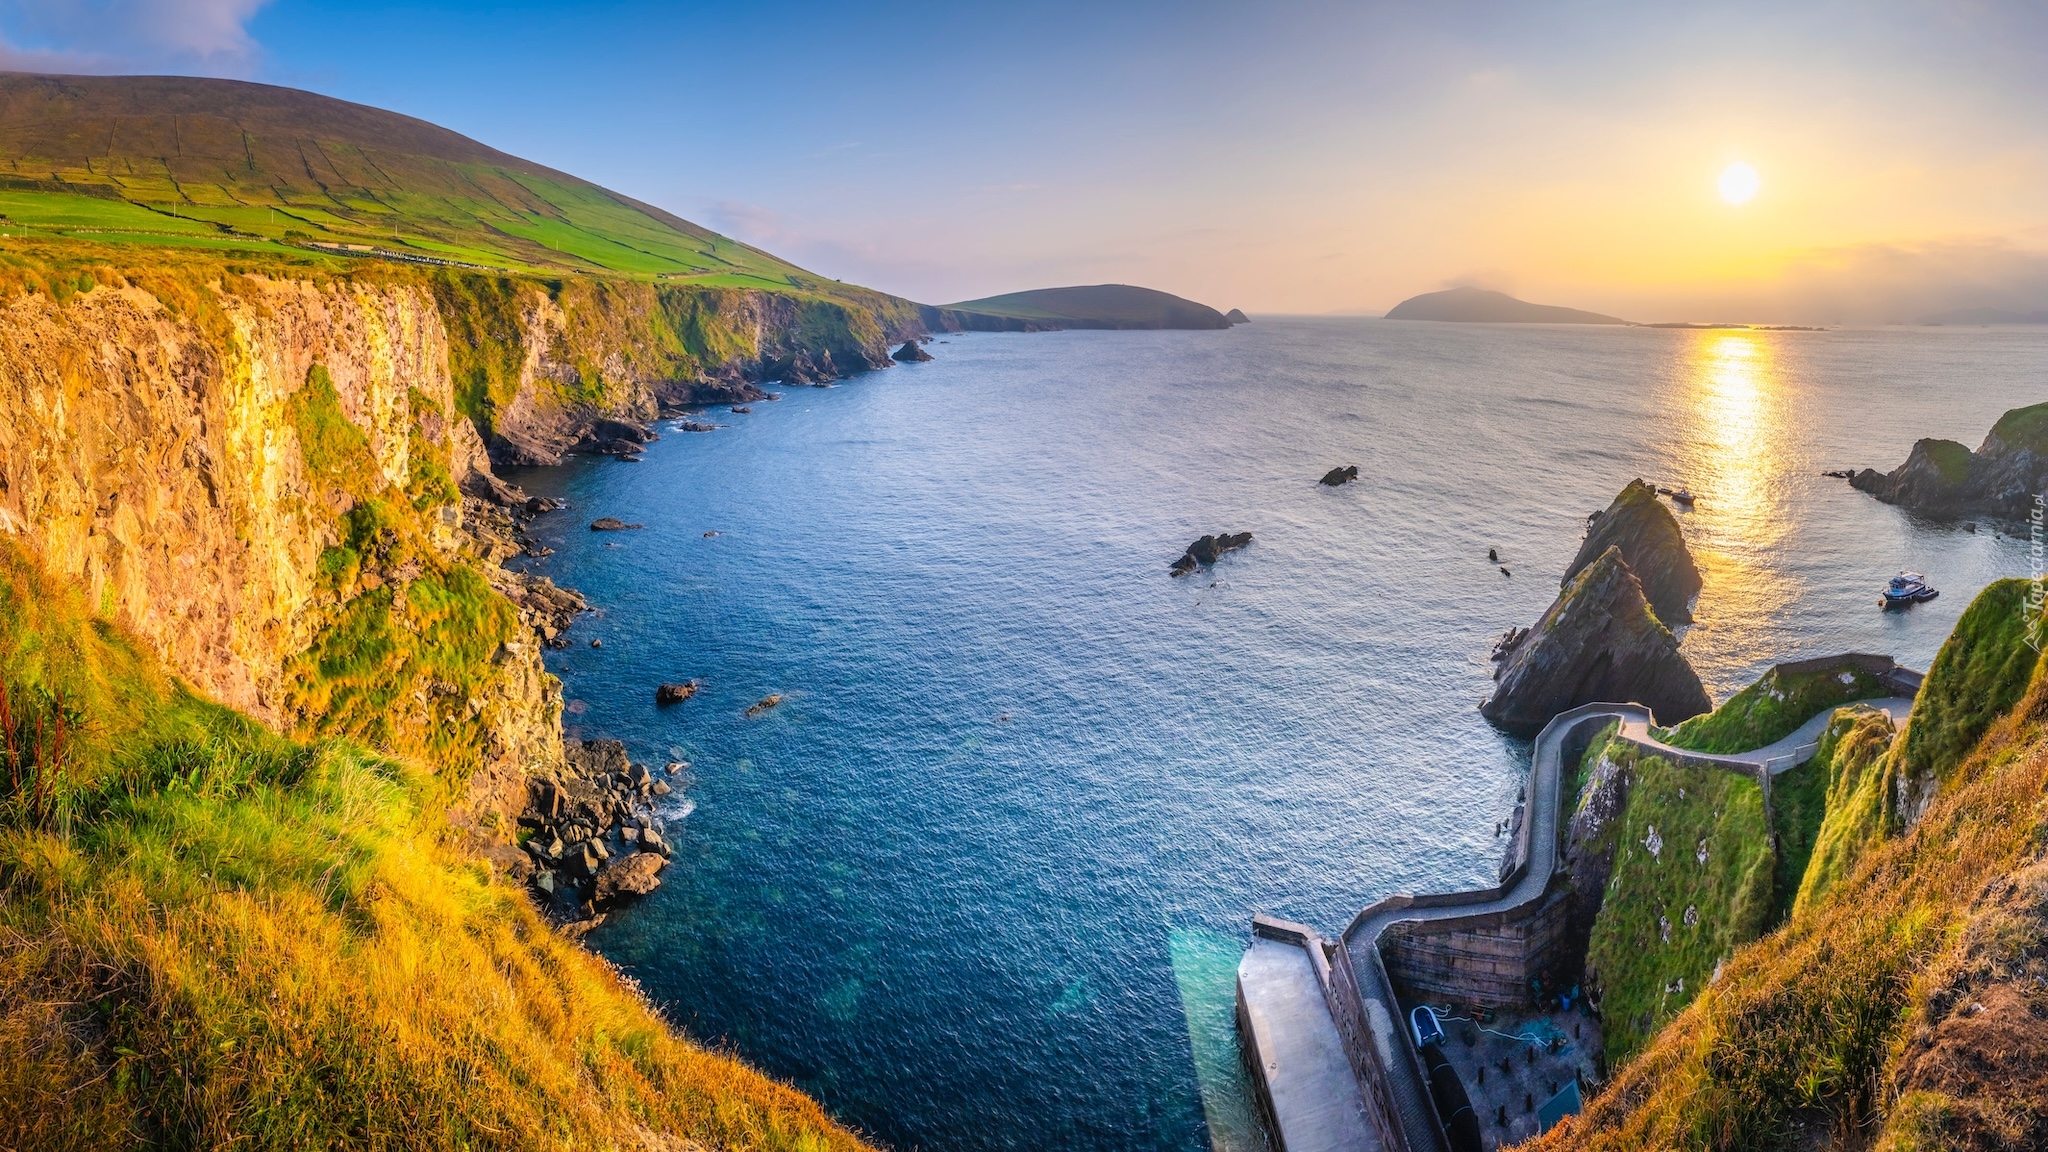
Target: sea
x=982, y=878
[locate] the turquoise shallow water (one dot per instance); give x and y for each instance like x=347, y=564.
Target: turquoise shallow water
x=980, y=881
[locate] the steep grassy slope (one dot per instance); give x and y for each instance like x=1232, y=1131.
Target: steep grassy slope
x=1691, y=879
x=221, y=163
x=213, y=936
x=1774, y=707
x=1902, y=1005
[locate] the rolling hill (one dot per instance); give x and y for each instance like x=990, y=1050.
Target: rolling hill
x=1091, y=306
x=223, y=164
x=1479, y=306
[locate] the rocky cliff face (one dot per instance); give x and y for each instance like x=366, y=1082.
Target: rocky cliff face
x=2003, y=477
x=235, y=470
x=1650, y=541
x=1599, y=641
x=540, y=367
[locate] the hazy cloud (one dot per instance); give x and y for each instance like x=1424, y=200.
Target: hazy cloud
x=128, y=35
x=1892, y=283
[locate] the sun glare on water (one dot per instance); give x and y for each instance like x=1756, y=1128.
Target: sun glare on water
x=1738, y=183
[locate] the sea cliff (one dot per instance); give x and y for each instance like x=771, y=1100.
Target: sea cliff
x=252, y=555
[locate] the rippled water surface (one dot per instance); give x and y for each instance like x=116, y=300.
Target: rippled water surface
x=981, y=881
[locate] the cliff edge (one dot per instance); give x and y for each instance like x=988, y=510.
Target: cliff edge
x=1943, y=478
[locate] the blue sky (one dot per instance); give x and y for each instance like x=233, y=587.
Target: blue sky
x=1281, y=156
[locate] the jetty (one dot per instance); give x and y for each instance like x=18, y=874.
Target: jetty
x=1303, y=1000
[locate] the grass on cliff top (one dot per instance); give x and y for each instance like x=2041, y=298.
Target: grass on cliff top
x=1981, y=671
x=232, y=939
x=1773, y=708
x=1646, y=961
x=2024, y=428
x=1900, y=1007
x=1950, y=459
x=1860, y=802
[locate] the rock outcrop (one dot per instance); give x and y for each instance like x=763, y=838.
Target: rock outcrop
x=1336, y=477
x=612, y=524
x=910, y=353
x=1205, y=551
x=1600, y=641
x=1650, y=541
x=675, y=693
x=2002, y=478
x=589, y=825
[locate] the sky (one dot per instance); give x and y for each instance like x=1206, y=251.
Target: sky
x=1284, y=156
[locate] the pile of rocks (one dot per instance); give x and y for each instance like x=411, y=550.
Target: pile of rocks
x=595, y=838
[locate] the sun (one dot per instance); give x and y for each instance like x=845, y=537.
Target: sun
x=1739, y=182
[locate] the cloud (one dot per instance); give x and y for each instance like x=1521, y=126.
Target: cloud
x=1887, y=283
x=128, y=35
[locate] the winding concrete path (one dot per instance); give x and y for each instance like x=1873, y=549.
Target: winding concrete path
x=1404, y=1081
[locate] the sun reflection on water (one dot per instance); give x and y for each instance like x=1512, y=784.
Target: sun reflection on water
x=1737, y=452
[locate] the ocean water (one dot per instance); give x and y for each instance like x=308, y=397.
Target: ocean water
x=981, y=881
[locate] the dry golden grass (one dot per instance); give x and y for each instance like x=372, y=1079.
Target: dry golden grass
x=239, y=940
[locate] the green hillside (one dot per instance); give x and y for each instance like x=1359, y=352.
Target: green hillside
x=167, y=160
x=1089, y=306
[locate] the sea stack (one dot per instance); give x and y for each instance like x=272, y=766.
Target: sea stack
x=910, y=353
x=1650, y=541
x=1600, y=641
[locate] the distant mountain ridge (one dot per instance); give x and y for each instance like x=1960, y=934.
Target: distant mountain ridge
x=1121, y=306
x=1988, y=316
x=1480, y=306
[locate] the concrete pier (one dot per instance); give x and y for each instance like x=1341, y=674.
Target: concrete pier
x=1306, y=1088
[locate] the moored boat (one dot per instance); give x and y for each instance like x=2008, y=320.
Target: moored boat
x=1906, y=588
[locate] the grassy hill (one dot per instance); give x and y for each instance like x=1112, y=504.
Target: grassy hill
x=167, y=160
x=1091, y=306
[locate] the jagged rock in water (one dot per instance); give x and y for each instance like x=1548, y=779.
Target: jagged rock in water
x=1650, y=541
x=763, y=704
x=1598, y=642
x=1204, y=552
x=675, y=693
x=611, y=524
x=910, y=353
x=1944, y=478
x=1338, y=476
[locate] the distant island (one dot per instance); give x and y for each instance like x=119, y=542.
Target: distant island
x=1091, y=306
x=1986, y=316
x=1479, y=306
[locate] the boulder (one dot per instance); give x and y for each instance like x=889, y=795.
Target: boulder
x=612, y=524
x=628, y=876
x=1205, y=551
x=1340, y=476
x=1599, y=642
x=910, y=353
x=675, y=693
x=1650, y=541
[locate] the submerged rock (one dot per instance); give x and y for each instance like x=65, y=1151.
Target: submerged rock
x=1205, y=551
x=612, y=524
x=1650, y=541
x=1944, y=478
x=910, y=353
x=1339, y=476
x=763, y=704
x=1599, y=641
